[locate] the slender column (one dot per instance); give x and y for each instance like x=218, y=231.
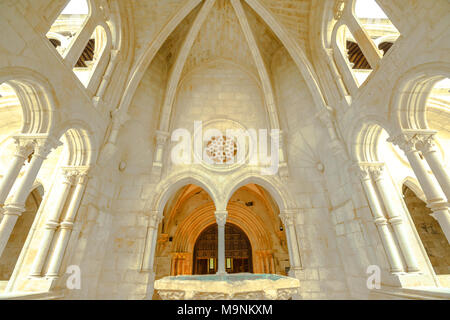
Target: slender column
x=17, y=205
x=53, y=222
x=150, y=246
x=288, y=220
x=161, y=138
x=283, y=167
x=106, y=77
x=428, y=148
x=272, y=265
x=66, y=226
x=435, y=198
x=394, y=218
x=380, y=221
x=23, y=150
x=267, y=257
x=221, y=219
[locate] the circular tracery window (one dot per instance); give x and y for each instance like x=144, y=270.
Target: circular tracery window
x=221, y=149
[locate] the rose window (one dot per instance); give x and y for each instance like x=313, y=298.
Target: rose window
x=221, y=149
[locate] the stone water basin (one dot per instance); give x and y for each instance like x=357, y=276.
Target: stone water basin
x=240, y=286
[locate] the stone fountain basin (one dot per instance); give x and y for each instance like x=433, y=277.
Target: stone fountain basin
x=241, y=286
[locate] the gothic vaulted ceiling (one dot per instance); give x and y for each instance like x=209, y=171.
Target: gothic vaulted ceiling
x=217, y=31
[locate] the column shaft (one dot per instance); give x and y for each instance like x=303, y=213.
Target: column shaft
x=11, y=175
x=51, y=225
x=439, y=171
x=13, y=210
x=294, y=246
x=389, y=245
x=221, y=218
x=66, y=230
x=435, y=198
x=150, y=246
x=396, y=220
x=221, y=250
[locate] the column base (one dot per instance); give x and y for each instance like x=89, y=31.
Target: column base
x=296, y=272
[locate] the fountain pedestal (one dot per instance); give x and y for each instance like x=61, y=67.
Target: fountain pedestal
x=241, y=286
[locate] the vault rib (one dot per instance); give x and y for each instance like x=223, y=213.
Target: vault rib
x=259, y=62
x=177, y=69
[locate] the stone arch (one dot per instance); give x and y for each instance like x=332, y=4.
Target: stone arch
x=167, y=187
x=407, y=108
x=36, y=98
x=203, y=217
x=81, y=148
x=414, y=185
x=273, y=185
x=364, y=139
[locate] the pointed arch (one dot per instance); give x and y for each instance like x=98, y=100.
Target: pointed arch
x=167, y=187
x=273, y=185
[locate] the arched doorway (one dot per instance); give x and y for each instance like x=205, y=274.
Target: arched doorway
x=238, y=251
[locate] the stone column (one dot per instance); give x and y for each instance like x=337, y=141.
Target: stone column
x=53, y=221
x=283, y=169
x=152, y=236
x=23, y=150
x=395, y=219
x=221, y=219
x=161, y=138
x=66, y=226
x=436, y=200
x=380, y=220
x=428, y=148
x=107, y=76
x=288, y=220
x=12, y=211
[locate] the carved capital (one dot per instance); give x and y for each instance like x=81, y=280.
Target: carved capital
x=361, y=171
x=426, y=142
x=287, y=217
x=404, y=142
x=161, y=137
x=221, y=217
x=154, y=219
x=338, y=8
x=24, y=147
x=69, y=176
x=45, y=145
x=41, y=144
x=376, y=172
x=119, y=118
